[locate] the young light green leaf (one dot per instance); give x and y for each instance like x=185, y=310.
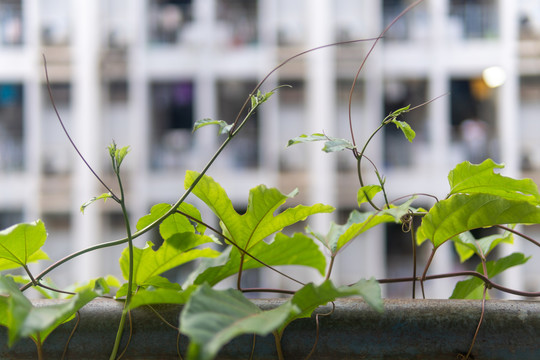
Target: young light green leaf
x=224, y=128
x=103, y=197
x=283, y=250
x=259, y=221
x=117, y=155
x=331, y=144
x=472, y=287
x=467, y=178
x=406, y=129
x=459, y=213
x=307, y=138
x=368, y=191
x=175, y=251
x=212, y=318
x=21, y=244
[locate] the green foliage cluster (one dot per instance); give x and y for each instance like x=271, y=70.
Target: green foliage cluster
x=478, y=197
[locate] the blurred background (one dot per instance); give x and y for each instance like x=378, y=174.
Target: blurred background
x=142, y=71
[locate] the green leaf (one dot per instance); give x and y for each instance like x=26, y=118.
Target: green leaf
x=224, y=128
x=331, y=144
x=103, y=197
x=406, y=129
x=174, y=251
x=212, y=318
x=367, y=191
x=449, y=218
x=259, y=221
x=307, y=138
x=175, y=223
x=466, y=245
x=467, y=178
x=283, y=250
x=472, y=288
x=360, y=222
x=153, y=296
x=23, y=319
x=21, y=244
x=117, y=155
x=312, y=296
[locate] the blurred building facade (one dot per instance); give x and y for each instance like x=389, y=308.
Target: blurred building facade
x=142, y=71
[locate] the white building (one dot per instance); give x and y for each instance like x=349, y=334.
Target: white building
x=142, y=71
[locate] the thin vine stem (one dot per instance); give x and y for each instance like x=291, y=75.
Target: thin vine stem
x=69, y=136
x=129, y=294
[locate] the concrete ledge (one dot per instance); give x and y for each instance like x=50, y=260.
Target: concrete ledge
x=408, y=329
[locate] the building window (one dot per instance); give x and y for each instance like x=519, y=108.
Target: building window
x=9, y=218
x=56, y=151
x=413, y=26
x=168, y=20
x=11, y=24
x=473, y=120
x=237, y=21
x=172, y=122
x=473, y=19
x=55, y=22
x=11, y=127
x=243, y=150
x=398, y=151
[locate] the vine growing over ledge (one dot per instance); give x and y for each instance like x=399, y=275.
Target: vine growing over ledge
x=478, y=197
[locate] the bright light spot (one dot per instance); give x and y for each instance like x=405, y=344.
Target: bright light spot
x=494, y=76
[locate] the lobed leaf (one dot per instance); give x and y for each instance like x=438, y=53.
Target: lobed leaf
x=467, y=178
x=451, y=217
x=259, y=221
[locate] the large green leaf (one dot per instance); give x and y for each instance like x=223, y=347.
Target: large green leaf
x=23, y=319
x=283, y=250
x=21, y=244
x=259, y=221
x=212, y=318
x=449, y=218
x=468, y=178
x=175, y=251
x=472, y=288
